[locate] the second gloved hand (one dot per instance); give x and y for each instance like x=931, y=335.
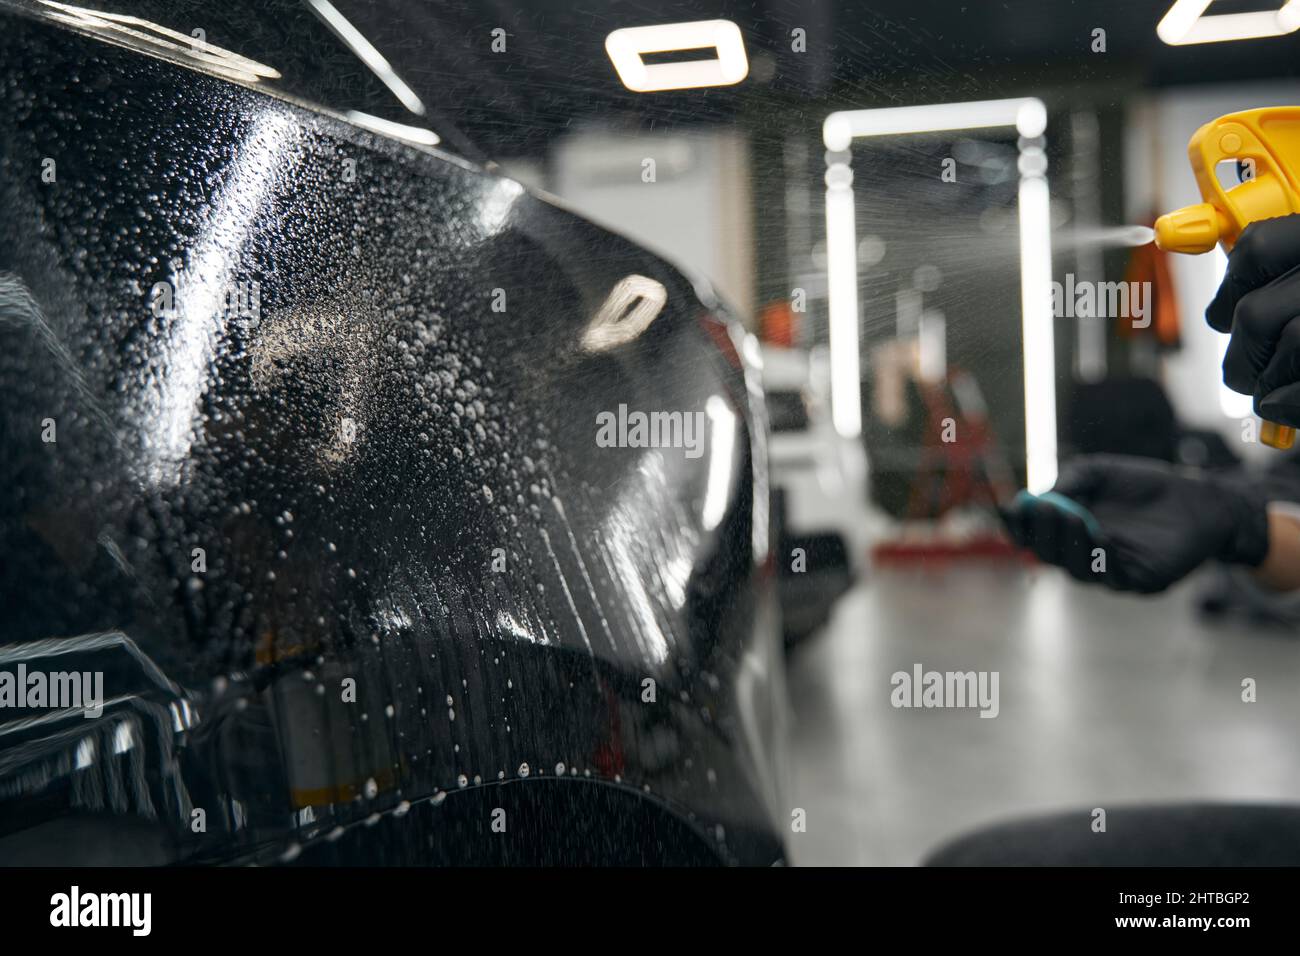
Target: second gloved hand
x=1153, y=524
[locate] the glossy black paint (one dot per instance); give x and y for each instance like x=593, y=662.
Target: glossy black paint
x=346, y=457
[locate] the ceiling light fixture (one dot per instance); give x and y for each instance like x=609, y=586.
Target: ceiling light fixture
x=627, y=47
x=1186, y=23
x=367, y=54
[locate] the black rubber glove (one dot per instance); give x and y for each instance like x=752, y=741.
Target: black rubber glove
x=1153, y=524
x=1259, y=302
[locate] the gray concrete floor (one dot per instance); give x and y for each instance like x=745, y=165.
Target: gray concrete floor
x=1105, y=699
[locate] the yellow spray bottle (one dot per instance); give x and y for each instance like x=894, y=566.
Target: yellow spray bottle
x=1266, y=145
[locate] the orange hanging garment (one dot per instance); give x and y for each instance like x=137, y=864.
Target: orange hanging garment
x=1151, y=264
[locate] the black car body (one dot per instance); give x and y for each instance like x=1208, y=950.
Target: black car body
x=298, y=426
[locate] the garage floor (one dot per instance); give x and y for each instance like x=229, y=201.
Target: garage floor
x=1104, y=699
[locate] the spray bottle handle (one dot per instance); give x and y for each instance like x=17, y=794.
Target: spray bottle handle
x=1277, y=436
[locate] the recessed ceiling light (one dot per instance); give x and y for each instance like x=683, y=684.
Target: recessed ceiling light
x=627, y=47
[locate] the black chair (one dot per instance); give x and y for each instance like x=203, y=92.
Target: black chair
x=1133, y=416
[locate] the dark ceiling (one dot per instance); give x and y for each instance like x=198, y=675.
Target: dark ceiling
x=554, y=72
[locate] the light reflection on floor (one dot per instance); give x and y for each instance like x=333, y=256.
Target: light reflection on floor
x=1104, y=699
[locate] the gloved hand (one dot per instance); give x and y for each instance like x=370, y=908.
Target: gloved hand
x=1153, y=524
x=1258, y=302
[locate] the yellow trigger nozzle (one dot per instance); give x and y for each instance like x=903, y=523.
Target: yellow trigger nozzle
x=1192, y=229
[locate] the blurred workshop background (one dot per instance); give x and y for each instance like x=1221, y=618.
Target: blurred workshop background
x=892, y=251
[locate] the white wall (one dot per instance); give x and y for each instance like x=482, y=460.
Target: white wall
x=1158, y=177
x=696, y=213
